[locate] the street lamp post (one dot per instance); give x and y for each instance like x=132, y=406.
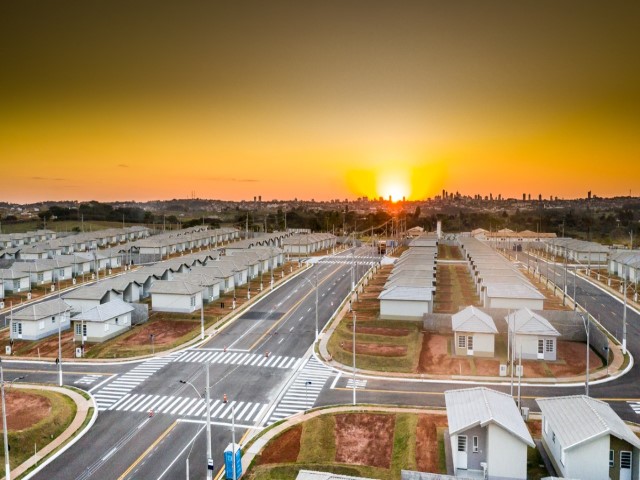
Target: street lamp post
x=233, y=441
x=202, y=320
x=60, y=349
x=353, y=348
x=7, y=467
x=587, y=324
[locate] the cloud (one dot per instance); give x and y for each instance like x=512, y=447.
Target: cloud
x=232, y=179
x=47, y=178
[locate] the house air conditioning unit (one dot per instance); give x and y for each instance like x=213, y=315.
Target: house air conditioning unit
x=525, y=413
x=503, y=370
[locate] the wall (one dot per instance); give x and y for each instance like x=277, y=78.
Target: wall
x=506, y=455
x=403, y=310
x=163, y=302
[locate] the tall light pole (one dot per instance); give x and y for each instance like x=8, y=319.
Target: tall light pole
x=208, y=412
x=233, y=441
x=60, y=348
x=201, y=320
x=354, y=357
x=624, y=313
x=586, y=322
x=7, y=467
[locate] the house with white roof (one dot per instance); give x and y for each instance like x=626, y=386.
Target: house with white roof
x=40, y=320
x=103, y=321
x=510, y=295
x=405, y=303
x=586, y=439
x=474, y=333
x=535, y=338
x=85, y=298
x=175, y=296
x=487, y=433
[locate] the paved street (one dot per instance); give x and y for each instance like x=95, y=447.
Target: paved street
x=264, y=364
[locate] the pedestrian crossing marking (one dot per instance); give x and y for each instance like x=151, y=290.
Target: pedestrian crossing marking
x=303, y=392
x=635, y=406
x=238, y=358
x=119, y=389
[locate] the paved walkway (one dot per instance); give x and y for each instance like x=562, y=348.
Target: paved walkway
x=82, y=410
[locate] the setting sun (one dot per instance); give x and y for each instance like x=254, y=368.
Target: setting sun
x=394, y=184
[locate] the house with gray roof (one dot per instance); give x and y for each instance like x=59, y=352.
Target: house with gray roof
x=103, y=321
x=474, y=333
x=176, y=296
x=512, y=295
x=405, y=303
x=14, y=280
x=39, y=320
x=487, y=433
x=535, y=338
x=586, y=439
x=85, y=298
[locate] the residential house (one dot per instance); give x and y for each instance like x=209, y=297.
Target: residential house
x=39, y=320
x=405, y=303
x=103, y=321
x=535, y=338
x=474, y=333
x=175, y=296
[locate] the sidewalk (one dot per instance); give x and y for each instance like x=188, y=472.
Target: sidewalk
x=82, y=409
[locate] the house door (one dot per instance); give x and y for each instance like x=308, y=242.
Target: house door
x=470, y=345
x=625, y=465
x=462, y=452
x=17, y=329
x=540, y=349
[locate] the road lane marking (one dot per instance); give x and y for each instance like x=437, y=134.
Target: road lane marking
x=147, y=451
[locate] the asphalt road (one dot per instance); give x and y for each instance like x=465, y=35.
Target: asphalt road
x=126, y=443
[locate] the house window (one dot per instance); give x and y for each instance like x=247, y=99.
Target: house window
x=553, y=437
x=541, y=346
x=53, y=319
x=462, y=341
x=469, y=342
x=462, y=443
x=193, y=301
x=475, y=444
x=625, y=461
x=117, y=320
x=612, y=459
x=548, y=345
x=16, y=285
x=40, y=277
x=61, y=273
x=78, y=329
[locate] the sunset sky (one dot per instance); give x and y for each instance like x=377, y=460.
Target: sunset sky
x=120, y=100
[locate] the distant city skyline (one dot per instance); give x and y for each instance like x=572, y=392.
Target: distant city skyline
x=155, y=100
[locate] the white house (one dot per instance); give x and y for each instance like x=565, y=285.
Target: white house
x=474, y=333
x=175, y=296
x=40, y=320
x=210, y=285
x=487, y=434
x=103, y=321
x=535, y=338
x=405, y=303
x=39, y=273
x=85, y=298
x=510, y=295
x=14, y=281
x=586, y=439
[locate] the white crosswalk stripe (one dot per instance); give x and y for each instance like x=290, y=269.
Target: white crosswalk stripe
x=238, y=358
x=635, y=406
x=188, y=407
x=117, y=392
x=303, y=392
x=361, y=261
x=360, y=384
x=87, y=380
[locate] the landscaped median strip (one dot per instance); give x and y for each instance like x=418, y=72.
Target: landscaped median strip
x=85, y=410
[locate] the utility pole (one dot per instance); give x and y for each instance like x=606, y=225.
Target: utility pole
x=7, y=467
x=208, y=411
x=353, y=348
x=624, y=312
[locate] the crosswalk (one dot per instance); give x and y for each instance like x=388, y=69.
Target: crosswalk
x=303, y=392
x=359, y=259
x=635, y=406
x=238, y=358
x=122, y=385
x=189, y=407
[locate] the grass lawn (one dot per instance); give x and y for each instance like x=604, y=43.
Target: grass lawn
x=360, y=441
x=22, y=442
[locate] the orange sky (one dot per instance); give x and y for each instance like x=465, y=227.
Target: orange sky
x=115, y=101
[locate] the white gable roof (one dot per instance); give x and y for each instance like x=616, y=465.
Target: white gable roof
x=470, y=407
x=526, y=322
x=105, y=311
x=577, y=419
x=473, y=320
x=416, y=294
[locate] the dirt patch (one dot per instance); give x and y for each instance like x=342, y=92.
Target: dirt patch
x=427, y=441
x=25, y=409
x=435, y=358
x=376, y=349
x=535, y=428
x=572, y=360
x=164, y=332
x=487, y=366
x=385, y=331
x=365, y=439
x=283, y=449
x=535, y=368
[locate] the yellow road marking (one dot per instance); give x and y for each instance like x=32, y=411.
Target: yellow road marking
x=146, y=452
x=288, y=312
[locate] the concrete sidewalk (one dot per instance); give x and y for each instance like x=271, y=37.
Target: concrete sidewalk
x=82, y=410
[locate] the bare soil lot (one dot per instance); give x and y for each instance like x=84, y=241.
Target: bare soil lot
x=365, y=439
x=427, y=440
x=25, y=409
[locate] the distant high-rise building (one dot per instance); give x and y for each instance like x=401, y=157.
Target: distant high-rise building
x=260, y=198
x=254, y=199
x=524, y=197
x=589, y=194
x=390, y=198
x=529, y=197
x=403, y=199
x=499, y=196
x=539, y=197
x=491, y=196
